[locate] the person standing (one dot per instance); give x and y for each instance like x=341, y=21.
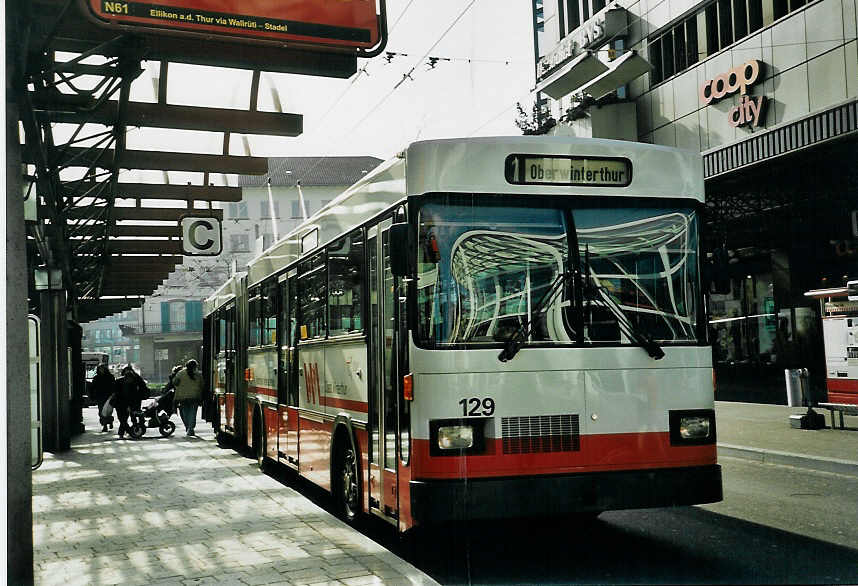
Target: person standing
x=102, y=387
x=189, y=390
x=130, y=390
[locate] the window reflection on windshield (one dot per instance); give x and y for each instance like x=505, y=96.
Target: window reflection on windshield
x=646, y=259
x=482, y=267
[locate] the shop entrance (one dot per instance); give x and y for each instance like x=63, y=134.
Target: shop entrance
x=789, y=226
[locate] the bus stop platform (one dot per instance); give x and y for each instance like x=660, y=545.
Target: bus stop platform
x=183, y=511
x=763, y=433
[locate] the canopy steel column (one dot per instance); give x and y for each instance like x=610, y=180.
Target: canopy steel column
x=16, y=435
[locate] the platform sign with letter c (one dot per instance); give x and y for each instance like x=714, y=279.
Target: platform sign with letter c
x=201, y=235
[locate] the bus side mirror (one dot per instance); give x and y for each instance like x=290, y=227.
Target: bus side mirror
x=402, y=249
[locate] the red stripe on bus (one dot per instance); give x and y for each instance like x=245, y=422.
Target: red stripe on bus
x=360, y=406
x=843, y=398
x=843, y=384
x=598, y=453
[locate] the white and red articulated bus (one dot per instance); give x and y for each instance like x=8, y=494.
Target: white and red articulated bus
x=482, y=328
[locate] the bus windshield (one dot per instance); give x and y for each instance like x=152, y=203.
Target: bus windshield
x=484, y=266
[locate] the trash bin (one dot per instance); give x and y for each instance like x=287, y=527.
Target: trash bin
x=796, y=386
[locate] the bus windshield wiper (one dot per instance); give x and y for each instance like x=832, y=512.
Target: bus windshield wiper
x=605, y=299
x=522, y=332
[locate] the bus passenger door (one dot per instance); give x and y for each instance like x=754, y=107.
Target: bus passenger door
x=382, y=424
x=230, y=376
x=287, y=386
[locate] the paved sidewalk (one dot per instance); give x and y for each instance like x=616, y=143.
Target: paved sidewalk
x=183, y=511
x=763, y=433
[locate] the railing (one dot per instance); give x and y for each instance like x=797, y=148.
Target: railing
x=139, y=329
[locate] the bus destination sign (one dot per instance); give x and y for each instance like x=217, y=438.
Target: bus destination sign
x=348, y=24
x=562, y=170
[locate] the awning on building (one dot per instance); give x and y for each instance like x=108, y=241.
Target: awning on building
x=571, y=76
x=622, y=71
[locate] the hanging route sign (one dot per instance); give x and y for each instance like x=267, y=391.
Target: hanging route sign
x=352, y=25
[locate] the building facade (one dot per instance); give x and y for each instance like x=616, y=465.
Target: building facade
x=767, y=91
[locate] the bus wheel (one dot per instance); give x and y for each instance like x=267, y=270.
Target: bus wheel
x=347, y=493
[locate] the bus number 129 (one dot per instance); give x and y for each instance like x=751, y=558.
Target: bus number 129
x=487, y=404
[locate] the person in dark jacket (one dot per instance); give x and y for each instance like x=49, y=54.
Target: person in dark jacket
x=130, y=390
x=102, y=387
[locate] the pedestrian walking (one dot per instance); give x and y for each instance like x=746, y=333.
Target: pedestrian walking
x=130, y=390
x=102, y=387
x=189, y=390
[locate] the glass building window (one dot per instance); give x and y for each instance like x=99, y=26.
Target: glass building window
x=725, y=23
x=740, y=19
x=691, y=50
x=755, y=15
x=679, y=54
x=655, y=59
x=238, y=210
x=265, y=209
x=239, y=243
x=573, y=14
x=667, y=54
x=711, y=15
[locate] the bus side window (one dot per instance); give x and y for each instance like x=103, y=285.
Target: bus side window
x=345, y=292
x=268, y=313
x=254, y=317
x=312, y=297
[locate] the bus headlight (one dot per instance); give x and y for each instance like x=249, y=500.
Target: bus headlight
x=455, y=437
x=692, y=427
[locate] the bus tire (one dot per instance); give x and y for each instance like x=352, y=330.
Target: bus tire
x=346, y=483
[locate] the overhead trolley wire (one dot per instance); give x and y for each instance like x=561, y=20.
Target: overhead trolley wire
x=410, y=71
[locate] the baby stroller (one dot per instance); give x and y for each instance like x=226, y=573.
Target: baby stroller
x=154, y=413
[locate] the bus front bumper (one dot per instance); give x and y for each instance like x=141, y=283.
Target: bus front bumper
x=532, y=496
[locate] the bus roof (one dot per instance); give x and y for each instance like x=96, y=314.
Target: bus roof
x=227, y=292
x=477, y=165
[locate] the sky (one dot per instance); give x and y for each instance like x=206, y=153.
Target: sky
x=364, y=115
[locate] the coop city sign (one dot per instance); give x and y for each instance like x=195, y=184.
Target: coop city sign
x=751, y=109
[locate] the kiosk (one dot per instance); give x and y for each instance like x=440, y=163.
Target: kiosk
x=839, y=311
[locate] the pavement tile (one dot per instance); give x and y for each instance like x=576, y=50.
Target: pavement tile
x=183, y=512
x=363, y=580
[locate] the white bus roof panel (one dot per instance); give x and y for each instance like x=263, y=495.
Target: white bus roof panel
x=477, y=165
